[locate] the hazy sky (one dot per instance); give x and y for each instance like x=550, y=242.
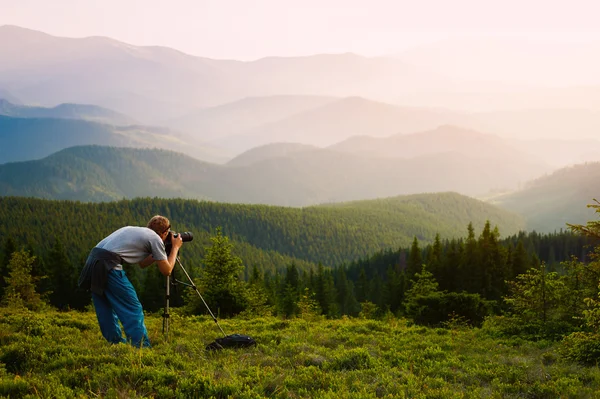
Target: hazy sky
x=251, y=29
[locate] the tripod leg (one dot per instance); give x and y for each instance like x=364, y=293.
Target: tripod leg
x=166, y=311
x=200, y=295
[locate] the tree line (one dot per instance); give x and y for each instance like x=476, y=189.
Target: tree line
x=478, y=270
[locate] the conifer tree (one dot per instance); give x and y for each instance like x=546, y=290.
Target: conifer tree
x=257, y=298
x=471, y=273
x=220, y=282
x=423, y=285
x=492, y=264
x=537, y=295
x=290, y=291
x=520, y=260
x=326, y=294
x=434, y=257
x=61, y=277
x=9, y=248
x=415, y=259
x=345, y=294
x=362, y=286
x=394, y=289
x=451, y=265
x=20, y=284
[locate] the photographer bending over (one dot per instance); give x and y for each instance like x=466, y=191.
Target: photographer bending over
x=113, y=295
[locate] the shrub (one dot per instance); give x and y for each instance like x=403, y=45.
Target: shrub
x=533, y=330
x=438, y=308
x=581, y=347
x=355, y=359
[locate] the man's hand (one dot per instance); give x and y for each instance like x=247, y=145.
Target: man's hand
x=166, y=266
x=176, y=242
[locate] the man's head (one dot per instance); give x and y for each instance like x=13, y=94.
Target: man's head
x=160, y=225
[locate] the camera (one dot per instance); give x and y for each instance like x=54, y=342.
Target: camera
x=185, y=237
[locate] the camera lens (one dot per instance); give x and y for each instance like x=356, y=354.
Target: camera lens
x=187, y=236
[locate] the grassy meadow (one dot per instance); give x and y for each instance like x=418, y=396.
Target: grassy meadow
x=62, y=355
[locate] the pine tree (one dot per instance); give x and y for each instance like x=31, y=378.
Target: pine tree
x=20, y=284
x=415, y=259
x=325, y=293
x=423, y=285
x=451, y=264
x=257, y=298
x=434, y=258
x=537, y=295
x=290, y=291
x=346, y=299
x=220, y=283
x=9, y=248
x=520, y=260
x=394, y=290
x=362, y=286
x=61, y=277
x=470, y=271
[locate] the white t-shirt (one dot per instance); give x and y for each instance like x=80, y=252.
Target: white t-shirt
x=134, y=244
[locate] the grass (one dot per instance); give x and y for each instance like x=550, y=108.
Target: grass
x=56, y=355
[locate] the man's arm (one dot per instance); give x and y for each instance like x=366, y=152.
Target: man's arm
x=146, y=262
x=166, y=266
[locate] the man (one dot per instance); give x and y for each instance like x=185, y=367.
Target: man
x=113, y=295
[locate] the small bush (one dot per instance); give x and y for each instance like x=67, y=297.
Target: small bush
x=581, y=347
x=534, y=330
x=355, y=359
x=439, y=308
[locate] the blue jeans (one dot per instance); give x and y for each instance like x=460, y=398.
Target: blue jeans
x=120, y=302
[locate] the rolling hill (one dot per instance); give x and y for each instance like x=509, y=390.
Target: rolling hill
x=269, y=151
x=5, y=95
x=66, y=111
x=551, y=153
x=550, y=202
x=266, y=235
x=298, y=178
x=23, y=139
x=234, y=118
x=341, y=119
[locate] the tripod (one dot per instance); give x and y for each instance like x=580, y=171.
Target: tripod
x=171, y=280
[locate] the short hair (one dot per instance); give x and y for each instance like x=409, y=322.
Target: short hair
x=159, y=224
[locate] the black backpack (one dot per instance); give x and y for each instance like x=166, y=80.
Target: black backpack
x=231, y=341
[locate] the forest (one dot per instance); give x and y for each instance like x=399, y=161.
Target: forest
x=278, y=261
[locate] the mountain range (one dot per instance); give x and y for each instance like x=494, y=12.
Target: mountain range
x=225, y=131
x=95, y=119
x=94, y=173
x=158, y=85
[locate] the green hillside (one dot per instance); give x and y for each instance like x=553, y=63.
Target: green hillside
x=268, y=236
x=93, y=173
x=552, y=201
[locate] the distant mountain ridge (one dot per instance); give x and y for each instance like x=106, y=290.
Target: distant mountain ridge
x=92, y=113
x=340, y=119
x=233, y=118
x=551, y=201
x=154, y=84
x=24, y=139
